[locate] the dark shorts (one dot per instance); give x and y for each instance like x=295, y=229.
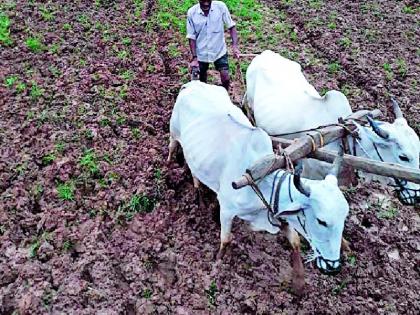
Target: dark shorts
x=220, y=64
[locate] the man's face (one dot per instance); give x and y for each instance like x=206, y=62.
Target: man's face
x=205, y=5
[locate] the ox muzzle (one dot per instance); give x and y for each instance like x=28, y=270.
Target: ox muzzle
x=407, y=196
x=328, y=267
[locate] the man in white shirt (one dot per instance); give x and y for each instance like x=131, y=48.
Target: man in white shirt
x=205, y=32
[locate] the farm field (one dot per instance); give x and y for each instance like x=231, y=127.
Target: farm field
x=93, y=221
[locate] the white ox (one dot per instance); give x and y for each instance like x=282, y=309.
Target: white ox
x=283, y=101
x=219, y=144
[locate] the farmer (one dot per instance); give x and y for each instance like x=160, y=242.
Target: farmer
x=205, y=32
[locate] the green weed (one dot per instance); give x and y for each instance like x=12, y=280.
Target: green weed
x=136, y=133
x=36, y=91
x=211, y=293
x=66, y=190
x=388, y=214
x=54, y=71
x=173, y=51
x=60, y=147
x=147, y=293
x=126, y=41
x=46, y=14
x=351, y=260
x=122, y=54
x=67, y=245
x=345, y=42
x=10, y=81
x=402, y=67
x=54, y=48
x=388, y=71
x=409, y=10
x=334, y=67
x=315, y=4
x=20, y=87
x=33, y=249
x=5, y=39
x=89, y=162
x=84, y=21
x=127, y=75
x=48, y=158
x=66, y=27
x=34, y=44
x=338, y=288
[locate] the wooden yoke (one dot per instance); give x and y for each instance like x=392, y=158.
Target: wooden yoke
x=300, y=148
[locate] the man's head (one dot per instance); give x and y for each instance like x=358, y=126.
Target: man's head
x=205, y=5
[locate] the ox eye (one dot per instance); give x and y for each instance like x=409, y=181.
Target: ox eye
x=404, y=158
x=322, y=222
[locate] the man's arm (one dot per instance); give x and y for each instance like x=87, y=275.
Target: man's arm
x=234, y=36
x=227, y=20
x=192, y=41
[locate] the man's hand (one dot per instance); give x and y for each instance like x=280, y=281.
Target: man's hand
x=194, y=63
x=236, y=52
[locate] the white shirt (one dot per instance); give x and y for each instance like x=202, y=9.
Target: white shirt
x=208, y=31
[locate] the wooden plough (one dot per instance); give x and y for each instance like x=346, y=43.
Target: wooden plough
x=310, y=145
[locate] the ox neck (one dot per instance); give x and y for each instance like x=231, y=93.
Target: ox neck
x=288, y=192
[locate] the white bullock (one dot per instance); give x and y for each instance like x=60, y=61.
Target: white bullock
x=283, y=101
x=219, y=144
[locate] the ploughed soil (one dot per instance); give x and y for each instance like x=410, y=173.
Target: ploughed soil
x=93, y=221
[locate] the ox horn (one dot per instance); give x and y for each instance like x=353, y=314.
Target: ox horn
x=396, y=108
x=380, y=132
x=338, y=161
x=297, y=181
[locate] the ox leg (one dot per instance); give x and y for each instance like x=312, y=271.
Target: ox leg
x=198, y=192
x=298, y=276
x=225, y=231
x=173, y=145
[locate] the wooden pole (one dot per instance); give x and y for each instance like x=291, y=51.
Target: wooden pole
x=300, y=148
x=367, y=165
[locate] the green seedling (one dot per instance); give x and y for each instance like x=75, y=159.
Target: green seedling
x=20, y=87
